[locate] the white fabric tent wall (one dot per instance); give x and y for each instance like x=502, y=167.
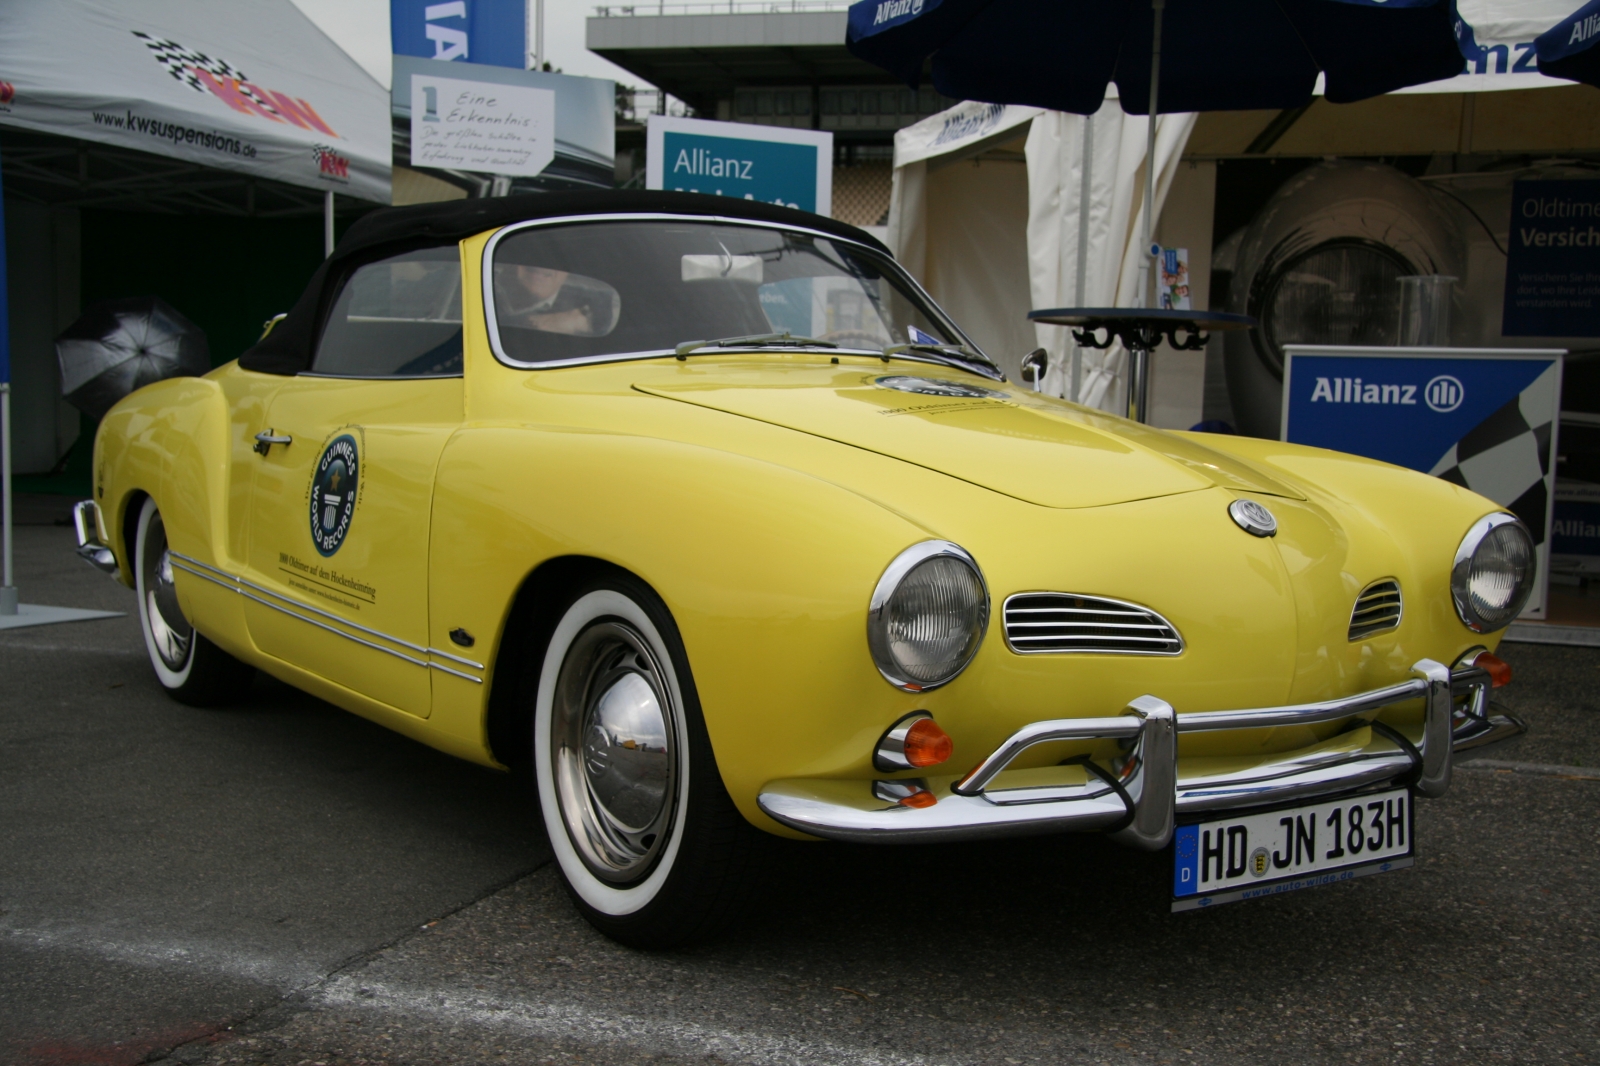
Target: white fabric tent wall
x=1115, y=230
x=959, y=222
x=991, y=244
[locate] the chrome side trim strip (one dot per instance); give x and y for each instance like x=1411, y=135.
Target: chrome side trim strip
x=297, y=605
x=284, y=610
x=248, y=590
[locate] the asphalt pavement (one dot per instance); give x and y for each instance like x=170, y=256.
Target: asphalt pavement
x=281, y=882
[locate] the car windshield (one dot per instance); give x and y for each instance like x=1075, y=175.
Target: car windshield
x=591, y=290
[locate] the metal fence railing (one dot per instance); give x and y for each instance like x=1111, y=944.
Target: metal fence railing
x=719, y=7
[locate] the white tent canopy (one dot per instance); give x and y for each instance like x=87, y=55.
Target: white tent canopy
x=252, y=88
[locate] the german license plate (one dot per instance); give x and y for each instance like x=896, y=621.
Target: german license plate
x=1265, y=852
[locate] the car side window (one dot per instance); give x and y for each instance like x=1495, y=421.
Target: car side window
x=397, y=318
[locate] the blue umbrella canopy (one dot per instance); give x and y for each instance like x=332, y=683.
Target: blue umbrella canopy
x=1215, y=55
x=1571, y=48
x=1507, y=36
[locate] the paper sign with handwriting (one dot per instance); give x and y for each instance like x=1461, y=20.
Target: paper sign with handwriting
x=468, y=125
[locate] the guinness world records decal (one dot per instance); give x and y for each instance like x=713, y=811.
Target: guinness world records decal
x=1482, y=418
x=335, y=488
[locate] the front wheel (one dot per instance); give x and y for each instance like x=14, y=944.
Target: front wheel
x=191, y=668
x=649, y=845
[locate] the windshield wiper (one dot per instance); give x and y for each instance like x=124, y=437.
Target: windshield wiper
x=958, y=354
x=756, y=340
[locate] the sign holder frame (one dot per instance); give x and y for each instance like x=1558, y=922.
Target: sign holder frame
x=660, y=125
x=1540, y=604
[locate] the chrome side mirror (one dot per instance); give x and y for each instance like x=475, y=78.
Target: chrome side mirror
x=1034, y=365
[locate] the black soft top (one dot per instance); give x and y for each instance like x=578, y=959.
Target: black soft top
x=392, y=230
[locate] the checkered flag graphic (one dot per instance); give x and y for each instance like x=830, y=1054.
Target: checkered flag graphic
x=1506, y=457
x=182, y=63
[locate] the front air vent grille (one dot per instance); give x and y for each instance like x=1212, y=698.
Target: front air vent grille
x=1039, y=622
x=1377, y=609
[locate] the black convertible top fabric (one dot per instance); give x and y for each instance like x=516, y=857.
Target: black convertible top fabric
x=391, y=230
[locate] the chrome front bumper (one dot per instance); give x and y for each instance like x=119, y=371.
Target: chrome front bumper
x=1139, y=799
x=86, y=520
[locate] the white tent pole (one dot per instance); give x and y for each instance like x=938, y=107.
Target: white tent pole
x=1156, y=7
x=538, y=34
x=327, y=223
x=8, y=592
x=1085, y=182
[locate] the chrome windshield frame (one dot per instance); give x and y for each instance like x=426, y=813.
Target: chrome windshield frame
x=492, y=324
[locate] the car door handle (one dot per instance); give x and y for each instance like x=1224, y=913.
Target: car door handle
x=267, y=438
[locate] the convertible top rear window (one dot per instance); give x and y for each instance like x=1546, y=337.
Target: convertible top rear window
x=398, y=317
x=604, y=289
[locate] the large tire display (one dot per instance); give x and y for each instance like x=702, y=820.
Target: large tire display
x=1319, y=265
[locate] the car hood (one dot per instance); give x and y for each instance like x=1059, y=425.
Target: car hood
x=1007, y=439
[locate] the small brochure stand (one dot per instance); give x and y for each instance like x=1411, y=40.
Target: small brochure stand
x=1486, y=419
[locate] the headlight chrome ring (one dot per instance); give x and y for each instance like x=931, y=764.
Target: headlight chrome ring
x=1493, y=573
x=928, y=616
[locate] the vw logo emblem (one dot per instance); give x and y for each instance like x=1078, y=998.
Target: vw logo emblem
x=1444, y=393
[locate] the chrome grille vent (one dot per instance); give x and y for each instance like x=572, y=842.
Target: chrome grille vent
x=1377, y=609
x=1038, y=622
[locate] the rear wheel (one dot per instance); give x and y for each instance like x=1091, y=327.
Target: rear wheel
x=191, y=668
x=649, y=845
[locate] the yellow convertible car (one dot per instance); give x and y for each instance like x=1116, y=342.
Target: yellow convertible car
x=706, y=511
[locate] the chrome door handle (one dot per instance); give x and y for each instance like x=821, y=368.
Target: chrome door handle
x=266, y=439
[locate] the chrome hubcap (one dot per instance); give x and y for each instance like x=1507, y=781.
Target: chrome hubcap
x=169, y=629
x=614, y=744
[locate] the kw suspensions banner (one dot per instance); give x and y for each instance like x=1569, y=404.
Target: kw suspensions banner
x=254, y=88
x=1484, y=419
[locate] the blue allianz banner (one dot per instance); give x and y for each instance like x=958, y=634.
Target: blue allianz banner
x=1485, y=420
x=490, y=32
x=1553, y=260
x=769, y=164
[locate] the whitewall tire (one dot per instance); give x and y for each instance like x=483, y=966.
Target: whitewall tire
x=647, y=841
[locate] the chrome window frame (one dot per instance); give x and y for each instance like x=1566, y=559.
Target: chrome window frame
x=491, y=321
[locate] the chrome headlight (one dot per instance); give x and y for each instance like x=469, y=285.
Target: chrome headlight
x=927, y=616
x=1493, y=573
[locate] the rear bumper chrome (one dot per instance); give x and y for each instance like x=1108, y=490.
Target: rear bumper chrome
x=86, y=520
x=1138, y=800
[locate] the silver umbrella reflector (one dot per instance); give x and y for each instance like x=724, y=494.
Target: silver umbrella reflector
x=118, y=346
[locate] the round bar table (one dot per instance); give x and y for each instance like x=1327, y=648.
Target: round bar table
x=1140, y=331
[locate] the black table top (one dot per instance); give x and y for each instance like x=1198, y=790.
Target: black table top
x=1101, y=317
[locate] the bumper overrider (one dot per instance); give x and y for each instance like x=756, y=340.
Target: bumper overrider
x=1140, y=797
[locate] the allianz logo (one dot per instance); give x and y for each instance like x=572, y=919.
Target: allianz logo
x=893, y=9
x=1443, y=394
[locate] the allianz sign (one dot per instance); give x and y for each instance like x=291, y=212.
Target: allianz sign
x=893, y=9
x=1443, y=394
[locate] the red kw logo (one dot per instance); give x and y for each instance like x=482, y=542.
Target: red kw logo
x=204, y=73
x=331, y=163
x=8, y=92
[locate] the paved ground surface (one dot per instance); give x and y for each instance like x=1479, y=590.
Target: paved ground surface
x=283, y=883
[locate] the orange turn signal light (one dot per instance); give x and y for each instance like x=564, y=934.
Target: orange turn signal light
x=1498, y=669
x=921, y=798
x=928, y=745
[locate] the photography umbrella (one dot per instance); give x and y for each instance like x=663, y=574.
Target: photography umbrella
x=118, y=346
x=1163, y=55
